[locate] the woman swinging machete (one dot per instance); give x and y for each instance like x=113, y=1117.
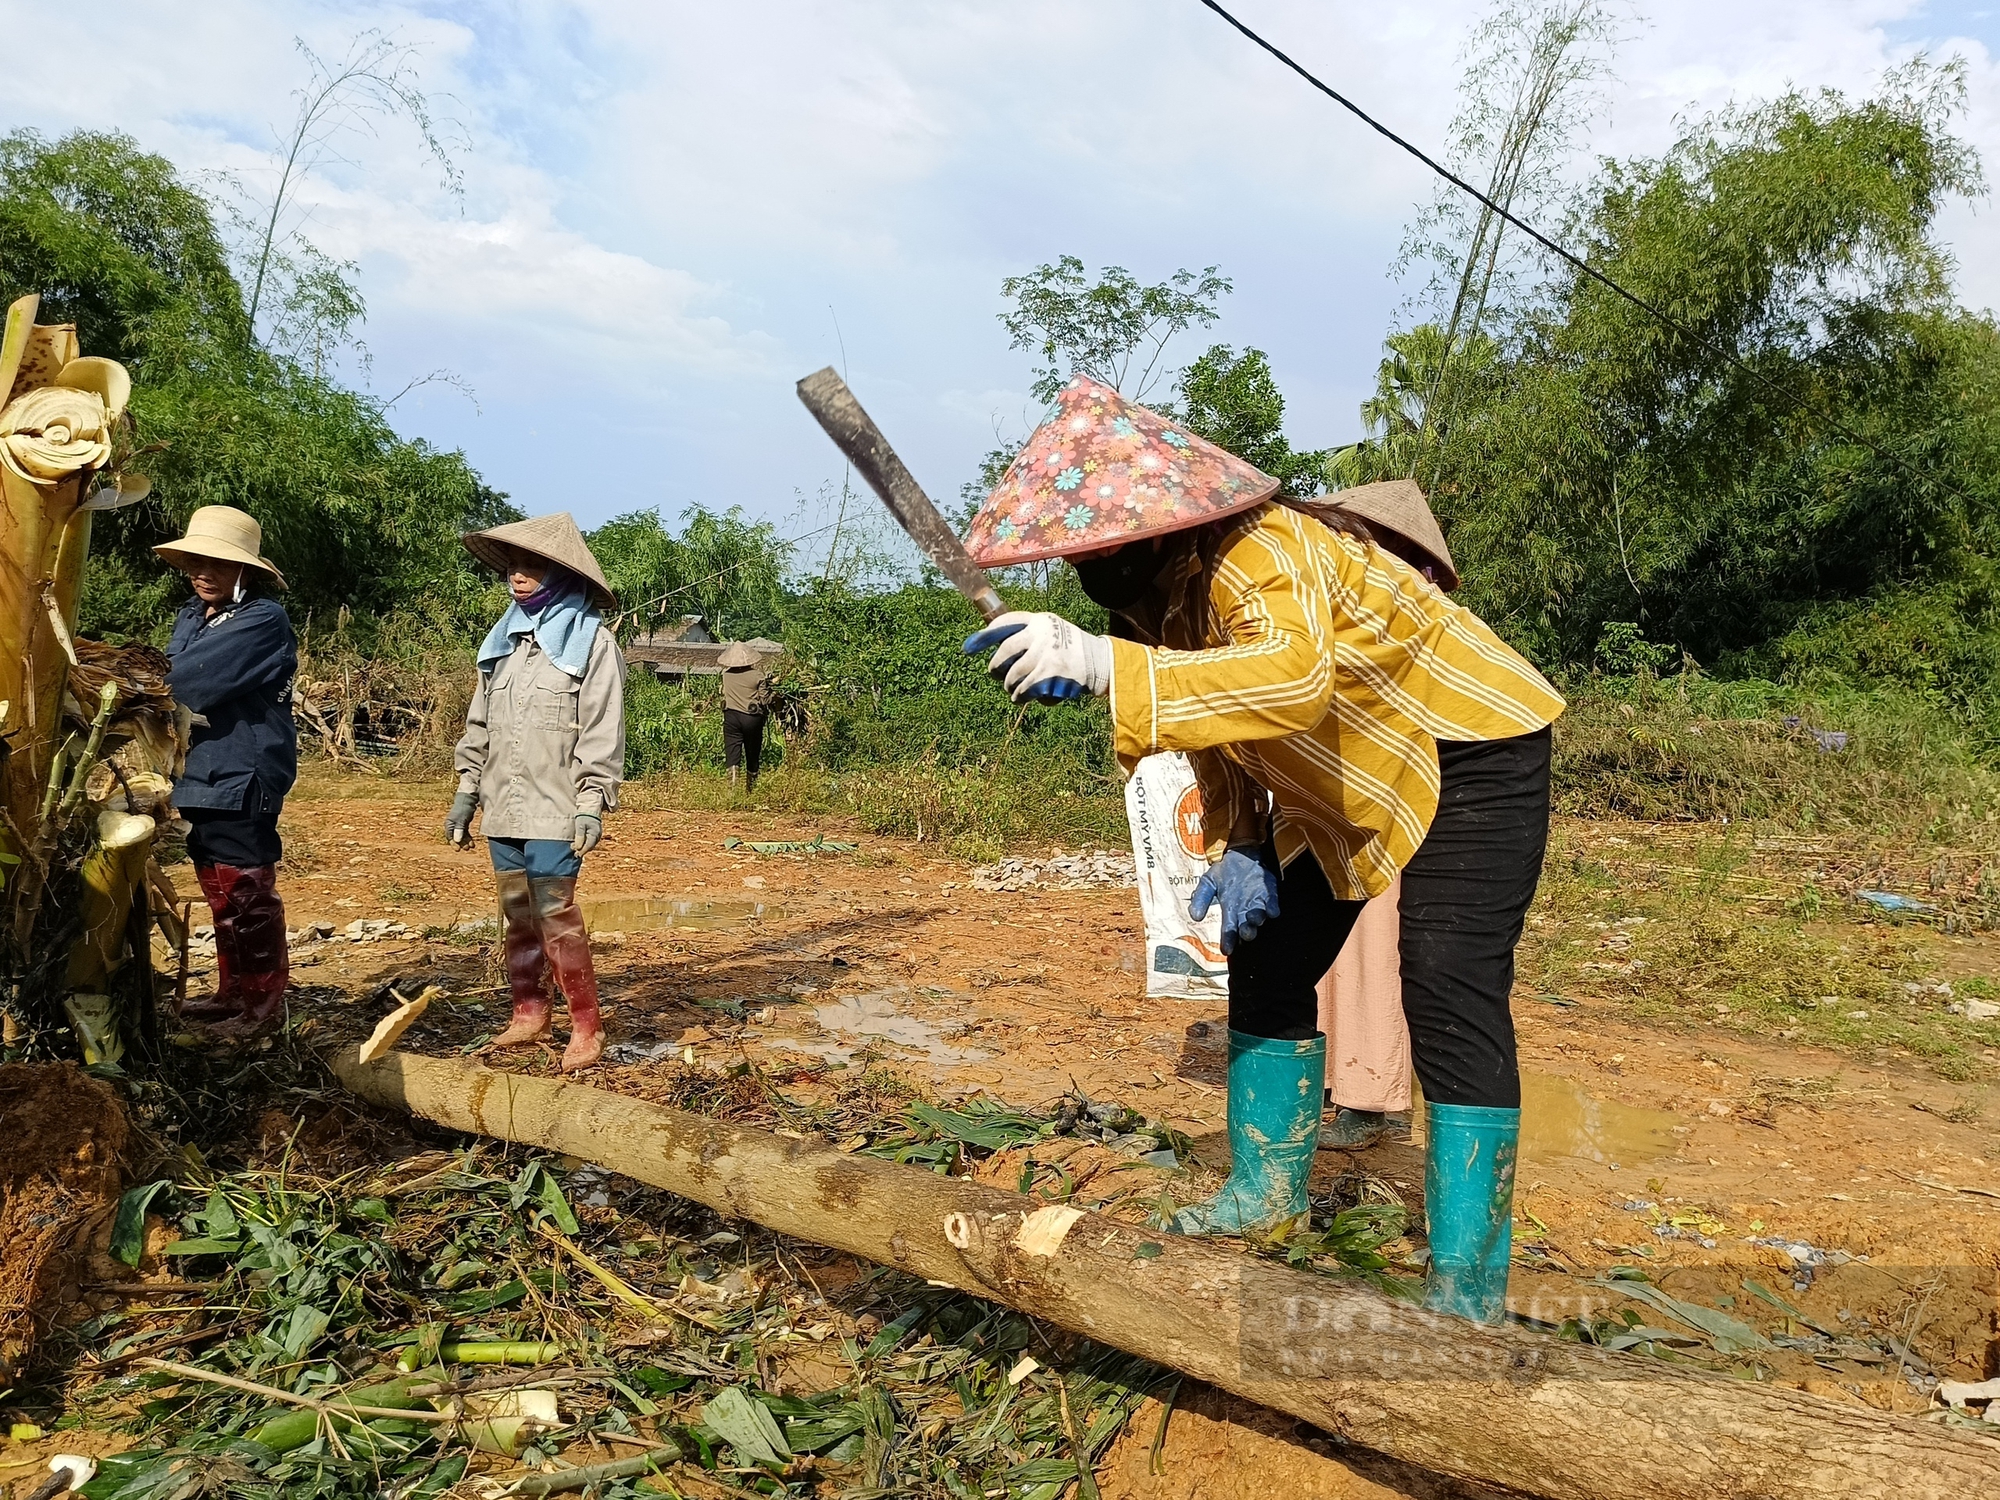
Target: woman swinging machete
x=1346, y=721
x=544, y=751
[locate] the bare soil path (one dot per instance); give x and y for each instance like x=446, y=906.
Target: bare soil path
x=1842, y=1202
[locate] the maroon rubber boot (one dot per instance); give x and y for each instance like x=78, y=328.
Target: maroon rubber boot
x=568, y=947
x=521, y=937
x=263, y=961
x=224, y=1002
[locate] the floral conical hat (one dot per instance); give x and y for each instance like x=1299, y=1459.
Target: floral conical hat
x=1101, y=471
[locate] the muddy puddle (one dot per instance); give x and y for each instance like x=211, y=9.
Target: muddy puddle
x=860, y=1019
x=651, y=913
x=1559, y=1118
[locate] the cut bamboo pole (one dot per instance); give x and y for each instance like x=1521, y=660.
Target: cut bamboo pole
x=1498, y=1406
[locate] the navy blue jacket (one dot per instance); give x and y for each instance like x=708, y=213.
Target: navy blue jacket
x=236, y=671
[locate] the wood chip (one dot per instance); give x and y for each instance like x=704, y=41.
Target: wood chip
x=1046, y=1228
x=389, y=1030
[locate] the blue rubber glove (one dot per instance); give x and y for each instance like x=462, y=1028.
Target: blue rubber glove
x=1246, y=882
x=1044, y=657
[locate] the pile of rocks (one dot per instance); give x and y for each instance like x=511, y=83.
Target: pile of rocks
x=1060, y=871
x=360, y=930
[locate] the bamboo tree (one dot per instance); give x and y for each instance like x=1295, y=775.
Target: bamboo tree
x=376, y=79
x=1535, y=76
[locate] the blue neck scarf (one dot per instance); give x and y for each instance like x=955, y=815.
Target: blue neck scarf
x=564, y=624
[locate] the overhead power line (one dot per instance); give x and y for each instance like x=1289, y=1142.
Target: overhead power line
x=1567, y=256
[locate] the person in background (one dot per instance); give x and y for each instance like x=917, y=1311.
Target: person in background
x=1361, y=997
x=234, y=658
x=544, y=752
x=746, y=704
x=1367, y=1039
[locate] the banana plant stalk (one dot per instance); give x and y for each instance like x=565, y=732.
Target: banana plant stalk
x=107, y=701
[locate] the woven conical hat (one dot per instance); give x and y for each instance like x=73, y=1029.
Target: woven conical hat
x=555, y=537
x=736, y=654
x=1100, y=472
x=224, y=532
x=1398, y=505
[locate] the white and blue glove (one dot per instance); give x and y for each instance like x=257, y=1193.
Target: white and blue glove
x=1246, y=882
x=1044, y=657
x=458, y=822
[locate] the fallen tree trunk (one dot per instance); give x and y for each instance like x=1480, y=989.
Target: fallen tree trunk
x=1498, y=1406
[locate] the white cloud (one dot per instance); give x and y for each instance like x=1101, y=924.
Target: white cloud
x=668, y=204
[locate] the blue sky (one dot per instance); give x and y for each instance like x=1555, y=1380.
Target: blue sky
x=668, y=205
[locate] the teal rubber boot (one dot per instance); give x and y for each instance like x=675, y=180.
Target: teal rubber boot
x=1276, y=1091
x=1469, y=1201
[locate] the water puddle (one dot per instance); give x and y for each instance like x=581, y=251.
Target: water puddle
x=876, y=1018
x=651, y=913
x=1560, y=1118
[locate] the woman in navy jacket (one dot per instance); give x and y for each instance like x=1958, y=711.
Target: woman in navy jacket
x=234, y=658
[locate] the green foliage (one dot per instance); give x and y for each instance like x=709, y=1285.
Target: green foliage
x=887, y=680
x=1113, y=330
x=1624, y=651
x=725, y=567
x=672, y=728
x=1234, y=402
x=117, y=244
x=1404, y=418
x=356, y=517
x=1937, y=643
x=1694, y=748
x=1606, y=467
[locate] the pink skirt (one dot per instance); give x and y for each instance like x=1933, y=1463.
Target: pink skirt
x=1361, y=1012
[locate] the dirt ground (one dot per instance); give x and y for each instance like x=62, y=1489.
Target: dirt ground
x=1808, y=1191
x=65, y=1135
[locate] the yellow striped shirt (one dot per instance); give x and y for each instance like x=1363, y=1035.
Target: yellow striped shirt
x=1324, y=670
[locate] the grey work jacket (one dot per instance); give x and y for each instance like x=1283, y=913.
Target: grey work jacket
x=541, y=746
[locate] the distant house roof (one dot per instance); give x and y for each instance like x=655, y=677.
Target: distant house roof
x=681, y=657
x=689, y=628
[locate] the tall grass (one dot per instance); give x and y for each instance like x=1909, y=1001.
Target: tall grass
x=1690, y=748
x=948, y=758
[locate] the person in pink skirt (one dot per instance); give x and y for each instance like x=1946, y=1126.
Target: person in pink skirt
x=1361, y=997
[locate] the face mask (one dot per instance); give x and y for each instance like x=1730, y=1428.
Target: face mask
x=1122, y=579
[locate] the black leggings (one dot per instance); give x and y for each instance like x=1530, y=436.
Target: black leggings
x=246, y=840
x=1465, y=895
x=743, y=741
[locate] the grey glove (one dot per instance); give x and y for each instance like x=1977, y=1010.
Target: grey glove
x=589, y=829
x=458, y=822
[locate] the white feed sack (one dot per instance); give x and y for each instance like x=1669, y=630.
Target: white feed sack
x=1183, y=957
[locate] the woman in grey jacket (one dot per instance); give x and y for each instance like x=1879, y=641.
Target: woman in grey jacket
x=543, y=751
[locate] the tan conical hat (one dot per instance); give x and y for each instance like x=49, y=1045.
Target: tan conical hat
x=1398, y=505
x=224, y=532
x=554, y=537
x=736, y=654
